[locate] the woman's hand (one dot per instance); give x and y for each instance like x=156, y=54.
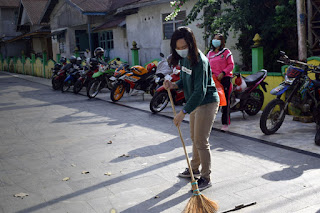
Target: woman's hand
x=178, y=118
x=220, y=76
x=169, y=85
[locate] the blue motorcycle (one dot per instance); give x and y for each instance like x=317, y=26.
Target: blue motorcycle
x=72, y=76
x=303, y=95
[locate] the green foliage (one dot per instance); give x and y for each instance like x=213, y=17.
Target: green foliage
x=274, y=20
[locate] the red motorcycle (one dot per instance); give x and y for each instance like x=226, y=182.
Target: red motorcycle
x=86, y=75
x=161, y=98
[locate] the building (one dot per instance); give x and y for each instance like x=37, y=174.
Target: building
x=112, y=24
x=8, y=17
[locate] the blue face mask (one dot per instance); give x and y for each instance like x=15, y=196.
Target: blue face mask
x=216, y=43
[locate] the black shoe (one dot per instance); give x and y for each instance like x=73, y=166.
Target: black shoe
x=186, y=174
x=203, y=183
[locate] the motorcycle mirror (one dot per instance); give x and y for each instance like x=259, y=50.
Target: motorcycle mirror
x=161, y=55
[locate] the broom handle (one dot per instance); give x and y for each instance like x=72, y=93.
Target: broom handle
x=183, y=144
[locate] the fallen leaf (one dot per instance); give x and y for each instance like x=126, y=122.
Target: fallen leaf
x=124, y=155
x=84, y=172
x=73, y=165
x=107, y=173
x=110, y=142
x=21, y=195
x=66, y=179
x=156, y=197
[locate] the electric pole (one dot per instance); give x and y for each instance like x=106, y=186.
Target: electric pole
x=302, y=29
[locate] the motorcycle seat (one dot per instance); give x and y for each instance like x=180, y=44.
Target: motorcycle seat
x=254, y=78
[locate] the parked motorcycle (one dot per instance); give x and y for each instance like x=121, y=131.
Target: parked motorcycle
x=138, y=78
x=86, y=75
x=162, y=69
x=302, y=94
x=72, y=75
x=161, y=98
x=101, y=79
x=245, y=96
x=56, y=83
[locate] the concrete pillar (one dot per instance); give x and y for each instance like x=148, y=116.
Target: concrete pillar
x=135, y=54
x=33, y=60
x=44, y=63
x=257, y=54
x=23, y=61
x=58, y=58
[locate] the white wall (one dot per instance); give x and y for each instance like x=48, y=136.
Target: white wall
x=145, y=28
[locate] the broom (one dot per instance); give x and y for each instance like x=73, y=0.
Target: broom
x=198, y=203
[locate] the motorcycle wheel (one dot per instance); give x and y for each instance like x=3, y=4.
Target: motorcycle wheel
x=117, y=92
x=159, y=101
x=77, y=87
x=93, y=88
x=56, y=83
x=65, y=86
x=255, y=102
x=270, y=120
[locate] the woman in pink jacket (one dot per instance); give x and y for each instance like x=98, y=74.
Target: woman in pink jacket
x=221, y=62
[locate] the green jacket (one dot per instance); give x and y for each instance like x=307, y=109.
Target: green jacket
x=197, y=83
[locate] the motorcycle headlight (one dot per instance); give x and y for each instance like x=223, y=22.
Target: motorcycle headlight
x=157, y=80
x=288, y=80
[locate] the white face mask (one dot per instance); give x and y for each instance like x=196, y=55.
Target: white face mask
x=183, y=53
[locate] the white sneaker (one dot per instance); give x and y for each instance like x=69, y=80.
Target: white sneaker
x=224, y=128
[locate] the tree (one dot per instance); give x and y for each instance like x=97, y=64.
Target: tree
x=274, y=20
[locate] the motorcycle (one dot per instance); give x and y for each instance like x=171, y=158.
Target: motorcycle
x=101, y=79
x=56, y=83
x=133, y=78
x=86, y=75
x=72, y=75
x=162, y=69
x=245, y=95
x=161, y=98
x=302, y=95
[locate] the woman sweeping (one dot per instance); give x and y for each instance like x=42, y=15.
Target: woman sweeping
x=202, y=100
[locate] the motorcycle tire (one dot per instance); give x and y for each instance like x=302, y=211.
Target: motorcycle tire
x=270, y=121
x=159, y=101
x=56, y=83
x=254, y=104
x=93, y=88
x=317, y=138
x=117, y=92
x=65, y=86
x=77, y=87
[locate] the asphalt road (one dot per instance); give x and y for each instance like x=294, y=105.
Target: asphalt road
x=131, y=159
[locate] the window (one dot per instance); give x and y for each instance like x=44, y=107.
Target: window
x=170, y=26
x=106, y=40
x=61, y=40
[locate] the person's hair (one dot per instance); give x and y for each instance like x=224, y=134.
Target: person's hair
x=186, y=34
x=223, y=41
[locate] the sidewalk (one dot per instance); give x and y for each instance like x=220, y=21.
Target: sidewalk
x=292, y=135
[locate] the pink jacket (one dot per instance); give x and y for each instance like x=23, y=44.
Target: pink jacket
x=221, y=61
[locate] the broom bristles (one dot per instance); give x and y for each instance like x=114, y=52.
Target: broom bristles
x=201, y=204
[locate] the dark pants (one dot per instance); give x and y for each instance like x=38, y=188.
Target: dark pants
x=227, y=85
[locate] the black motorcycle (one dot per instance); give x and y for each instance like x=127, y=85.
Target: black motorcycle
x=248, y=98
x=302, y=95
